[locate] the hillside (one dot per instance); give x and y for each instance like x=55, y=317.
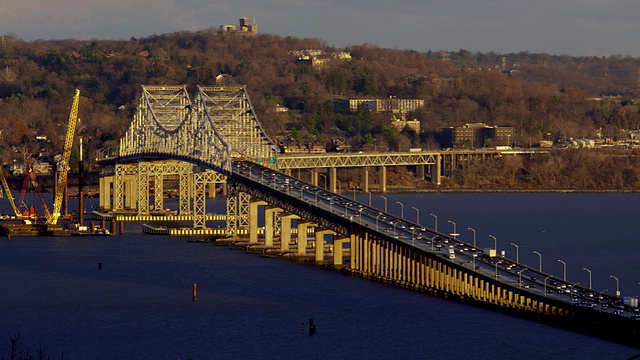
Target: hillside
x=541, y=95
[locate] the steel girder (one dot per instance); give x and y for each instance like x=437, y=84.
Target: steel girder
x=307, y=161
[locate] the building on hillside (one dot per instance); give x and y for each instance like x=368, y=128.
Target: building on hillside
x=476, y=135
x=390, y=105
x=225, y=79
x=317, y=59
x=401, y=123
x=292, y=147
x=245, y=28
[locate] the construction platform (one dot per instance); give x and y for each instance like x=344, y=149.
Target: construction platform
x=32, y=230
x=163, y=230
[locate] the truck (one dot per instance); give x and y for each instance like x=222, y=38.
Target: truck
x=491, y=252
x=452, y=253
x=629, y=301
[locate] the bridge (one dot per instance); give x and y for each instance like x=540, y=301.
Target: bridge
x=217, y=138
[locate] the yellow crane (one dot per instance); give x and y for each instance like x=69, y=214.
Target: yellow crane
x=63, y=166
x=7, y=190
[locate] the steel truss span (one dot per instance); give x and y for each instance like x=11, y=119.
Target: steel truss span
x=166, y=125
x=229, y=110
x=355, y=160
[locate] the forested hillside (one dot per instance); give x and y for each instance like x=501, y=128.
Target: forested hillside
x=541, y=95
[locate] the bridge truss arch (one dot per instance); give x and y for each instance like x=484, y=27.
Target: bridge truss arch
x=231, y=113
x=166, y=126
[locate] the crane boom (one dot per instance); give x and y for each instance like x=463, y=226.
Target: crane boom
x=7, y=190
x=63, y=167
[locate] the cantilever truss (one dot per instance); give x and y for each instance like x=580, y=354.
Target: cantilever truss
x=232, y=115
x=166, y=125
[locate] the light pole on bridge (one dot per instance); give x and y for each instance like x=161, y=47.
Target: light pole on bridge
x=385, y=203
x=378, y=217
x=435, y=222
x=325, y=180
x=571, y=293
x=401, y=209
x=517, y=252
x=589, y=272
x=520, y=277
x=539, y=260
x=564, y=270
x=417, y=214
x=354, y=192
x=545, y=285
x=454, y=233
x=474, y=235
x=617, y=285
x=495, y=244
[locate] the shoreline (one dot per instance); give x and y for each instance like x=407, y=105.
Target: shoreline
x=461, y=191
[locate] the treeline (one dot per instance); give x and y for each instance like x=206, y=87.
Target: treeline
x=570, y=169
x=542, y=96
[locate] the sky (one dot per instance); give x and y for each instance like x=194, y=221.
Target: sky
x=557, y=27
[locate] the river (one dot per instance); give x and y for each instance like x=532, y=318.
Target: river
x=138, y=304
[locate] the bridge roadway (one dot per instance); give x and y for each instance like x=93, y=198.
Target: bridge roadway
x=338, y=213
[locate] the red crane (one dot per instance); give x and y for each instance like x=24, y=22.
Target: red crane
x=30, y=178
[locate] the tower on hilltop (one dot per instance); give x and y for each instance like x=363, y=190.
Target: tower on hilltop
x=245, y=28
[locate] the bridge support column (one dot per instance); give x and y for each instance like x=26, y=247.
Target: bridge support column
x=383, y=179
x=130, y=192
x=420, y=172
x=269, y=228
x=302, y=237
x=184, y=185
x=319, y=242
x=365, y=179
x=365, y=253
x=313, y=177
x=333, y=179
x=356, y=246
x=211, y=190
x=106, y=183
x=436, y=170
x=158, y=193
x=285, y=236
x=338, y=257
x=143, y=189
x=253, y=221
